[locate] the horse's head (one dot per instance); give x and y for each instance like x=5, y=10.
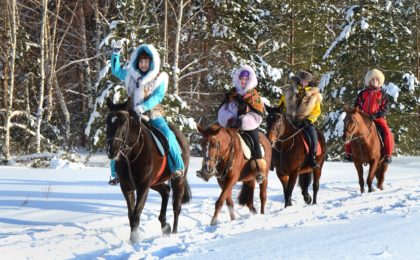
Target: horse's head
x=117, y=127
x=352, y=123
x=213, y=146
x=276, y=125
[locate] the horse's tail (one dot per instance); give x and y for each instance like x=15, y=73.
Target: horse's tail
x=187, y=193
x=246, y=194
x=305, y=180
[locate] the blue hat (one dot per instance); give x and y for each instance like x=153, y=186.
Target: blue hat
x=244, y=73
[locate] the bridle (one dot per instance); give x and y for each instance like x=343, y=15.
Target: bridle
x=125, y=148
x=276, y=132
x=356, y=125
x=218, y=156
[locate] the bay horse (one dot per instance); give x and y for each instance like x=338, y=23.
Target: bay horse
x=139, y=166
x=289, y=156
x=223, y=158
x=360, y=131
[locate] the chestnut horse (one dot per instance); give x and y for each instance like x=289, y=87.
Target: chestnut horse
x=223, y=158
x=360, y=131
x=289, y=157
x=138, y=164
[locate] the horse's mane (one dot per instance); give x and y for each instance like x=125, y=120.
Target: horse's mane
x=356, y=110
x=213, y=129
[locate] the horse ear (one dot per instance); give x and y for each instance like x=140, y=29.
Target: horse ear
x=269, y=109
x=109, y=102
x=128, y=103
x=200, y=128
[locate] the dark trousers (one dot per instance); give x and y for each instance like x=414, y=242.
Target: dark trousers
x=310, y=131
x=256, y=153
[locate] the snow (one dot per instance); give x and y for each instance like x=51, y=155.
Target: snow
x=73, y=213
x=345, y=33
x=325, y=80
x=364, y=25
x=392, y=90
x=411, y=81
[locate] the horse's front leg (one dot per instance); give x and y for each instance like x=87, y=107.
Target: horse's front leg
x=135, y=218
x=304, y=181
x=230, y=205
x=130, y=200
x=373, y=165
x=315, y=185
x=227, y=187
x=289, y=190
x=164, y=191
x=359, y=169
x=263, y=193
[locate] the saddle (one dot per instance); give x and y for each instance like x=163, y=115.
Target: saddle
x=247, y=145
x=159, y=138
x=381, y=136
x=306, y=141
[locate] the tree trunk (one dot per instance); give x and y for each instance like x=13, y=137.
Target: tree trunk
x=40, y=109
x=177, y=43
x=416, y=8
x=9, y=96
x=291, y=41
x=165, y=34
x=66, y=114
x=86, y=66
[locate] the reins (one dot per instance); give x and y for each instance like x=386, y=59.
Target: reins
x=125, y=149
x=287, y=138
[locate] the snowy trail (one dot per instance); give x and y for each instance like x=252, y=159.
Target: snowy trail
x=67, y=214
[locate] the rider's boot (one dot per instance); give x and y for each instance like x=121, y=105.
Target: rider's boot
x=312, y=161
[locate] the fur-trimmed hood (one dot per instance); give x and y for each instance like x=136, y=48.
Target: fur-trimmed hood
x=133, y=70
x=252, y=82
x=372, y=74
x=141, y=86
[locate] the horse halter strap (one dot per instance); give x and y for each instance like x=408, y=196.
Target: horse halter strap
x=287, y=138
x=217, y=157
x=125, y=148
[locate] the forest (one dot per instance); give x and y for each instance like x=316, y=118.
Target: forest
x=55, y=72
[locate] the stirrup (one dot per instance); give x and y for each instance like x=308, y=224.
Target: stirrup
x=387, y=159
x=177, y=174
x=348, y=157
x=114, y=181
x=259, y=178
x=313, y=163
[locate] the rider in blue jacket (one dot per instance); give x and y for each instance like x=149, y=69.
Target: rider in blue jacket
x=146, y=86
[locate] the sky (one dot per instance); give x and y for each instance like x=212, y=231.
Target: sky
x=68, y=211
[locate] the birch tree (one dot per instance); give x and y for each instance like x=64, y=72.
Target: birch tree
x=9, y=87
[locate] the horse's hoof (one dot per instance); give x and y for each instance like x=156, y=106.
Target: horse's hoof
x=213, y=222
x=166, y=230
x=307, y=198
x=134, y=237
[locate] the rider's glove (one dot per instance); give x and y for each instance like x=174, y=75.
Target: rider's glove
x=117, y=46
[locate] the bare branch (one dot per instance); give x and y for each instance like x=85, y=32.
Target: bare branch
x=76, y=61
x=192, y=73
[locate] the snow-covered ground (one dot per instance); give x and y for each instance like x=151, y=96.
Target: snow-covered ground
x=72, y=213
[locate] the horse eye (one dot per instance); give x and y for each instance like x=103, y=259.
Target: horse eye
x=114, y=119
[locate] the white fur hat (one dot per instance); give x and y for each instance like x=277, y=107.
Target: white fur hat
x=375, y=73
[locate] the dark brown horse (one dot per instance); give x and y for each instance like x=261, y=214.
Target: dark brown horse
x=290, y=159
x=223, y=158
x=361, y=132
x=138, y=164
